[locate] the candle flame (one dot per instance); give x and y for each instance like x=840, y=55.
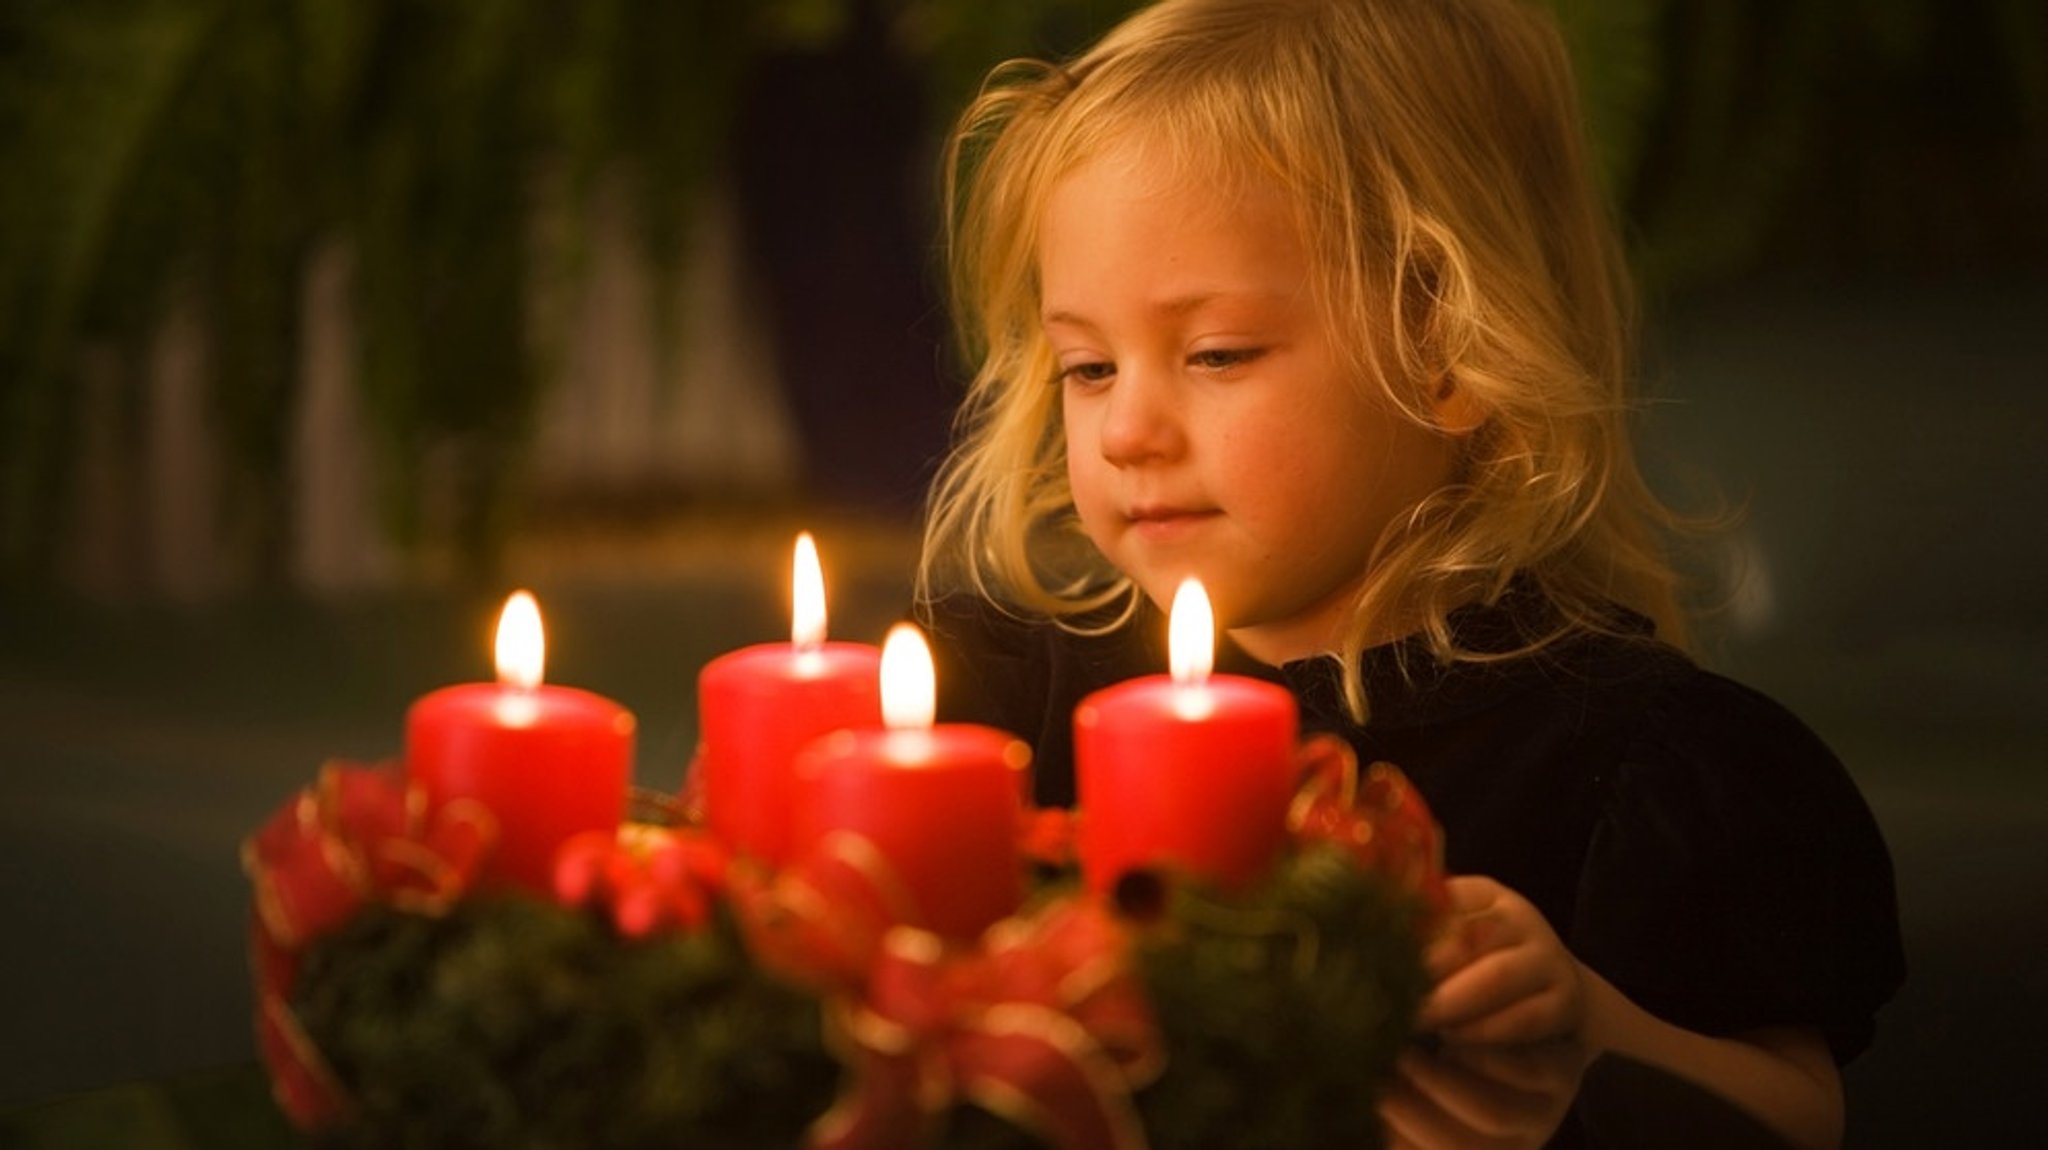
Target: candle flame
x=1191, y=634
x=807, y=596
x=909, y=685
x=522, y=647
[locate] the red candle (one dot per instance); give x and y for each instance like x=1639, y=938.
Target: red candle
x=758, y=706
x=548, y=762
x=1186, y=771
x=939, y=807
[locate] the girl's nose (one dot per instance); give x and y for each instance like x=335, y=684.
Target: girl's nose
x=1140, y=421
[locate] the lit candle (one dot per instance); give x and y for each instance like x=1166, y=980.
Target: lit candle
x=549, y=762
x=758, y=706
x=939, y=807
x=1188, y=772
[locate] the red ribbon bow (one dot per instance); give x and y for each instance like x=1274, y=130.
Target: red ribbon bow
x=1042, y=1020
x=647, y=878
x=359, y=834
x=1377, y=815
x=1044, y=1023
x=819, y=922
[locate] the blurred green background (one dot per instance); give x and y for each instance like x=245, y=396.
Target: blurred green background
x=322, y=324
x=425, y=200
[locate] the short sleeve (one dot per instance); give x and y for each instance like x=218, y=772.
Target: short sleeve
x=1736, y=878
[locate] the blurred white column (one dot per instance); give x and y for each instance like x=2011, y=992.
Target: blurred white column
x=692, y=405
x=181, y=500
x=339, y=542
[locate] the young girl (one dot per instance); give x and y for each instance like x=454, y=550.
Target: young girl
x=1314, y=299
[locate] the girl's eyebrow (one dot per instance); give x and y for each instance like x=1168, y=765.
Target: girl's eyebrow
x=1176, y=306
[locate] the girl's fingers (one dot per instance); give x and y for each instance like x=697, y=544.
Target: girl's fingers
x=1547, y=1068
x=1413, y=1118
x=1472, y=1102
x=1468, y=1098
x=1464, y=941
x=1478, y=922
x=1536, y=1018
x=1464, y=892
x=1483, y=986
x=1501, y=973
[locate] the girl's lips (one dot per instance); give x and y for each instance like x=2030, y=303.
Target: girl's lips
x=1160, y=523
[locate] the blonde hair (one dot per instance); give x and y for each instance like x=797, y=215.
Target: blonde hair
x=1441, y=180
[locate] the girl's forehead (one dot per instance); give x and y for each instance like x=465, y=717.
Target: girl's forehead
x=1137, y=219
x=1152, y=162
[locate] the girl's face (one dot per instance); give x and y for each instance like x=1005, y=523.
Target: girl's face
x=1213, y=427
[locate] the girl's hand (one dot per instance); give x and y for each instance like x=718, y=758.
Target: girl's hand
x=1502, y=974
x=1468, y=1097
x=1504, y=977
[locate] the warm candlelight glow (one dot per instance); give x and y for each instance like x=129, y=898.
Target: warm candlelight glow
x=807, y=596
x=1191, y=634
x=909, y=684
x=1191, y=771
x=522, y=648
x=547, y=762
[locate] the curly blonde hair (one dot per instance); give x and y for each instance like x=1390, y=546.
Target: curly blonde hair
x=1435, y=158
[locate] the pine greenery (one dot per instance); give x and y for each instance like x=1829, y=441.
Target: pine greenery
x=513, y=1023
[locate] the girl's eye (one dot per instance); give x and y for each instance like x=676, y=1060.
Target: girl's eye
x=1087, y=374
x=1224, y=358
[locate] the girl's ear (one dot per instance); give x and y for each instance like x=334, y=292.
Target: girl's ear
x=1458, y=410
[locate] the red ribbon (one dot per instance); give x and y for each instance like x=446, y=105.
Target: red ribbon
x=820, y=921
x=1376, y=815
x=646, y=878
x=1044, y=1023
x=1042, y=1020
x=359, y=834
x=1050, y=836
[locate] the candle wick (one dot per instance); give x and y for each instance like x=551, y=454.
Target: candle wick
x=519, y=707
x=1191, y=698
x=810, y=659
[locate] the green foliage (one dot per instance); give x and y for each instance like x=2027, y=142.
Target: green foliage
x=1740, y=135
x=1744, y=97
x=80, y=111
x=1613, y=45
x=205, y=151
x=201, y=154
x=513, y=1023
x=960, y=40
x=510, y=1022
x=1283, y=1013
